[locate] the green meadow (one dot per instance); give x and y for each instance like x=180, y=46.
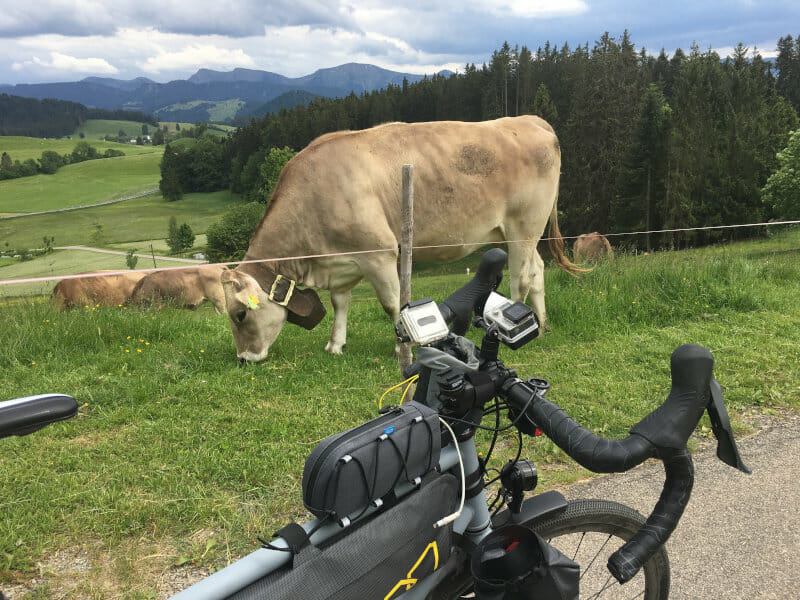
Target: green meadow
x=132, y=221
x=82, y=183
x=22, y=148
x=99, y=128
x=179, y=456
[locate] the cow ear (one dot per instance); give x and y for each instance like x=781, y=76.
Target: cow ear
x=228, y=277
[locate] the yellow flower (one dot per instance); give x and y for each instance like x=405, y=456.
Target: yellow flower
x=33, y=362
x=202, y=350
x=139, y=350
x=126, y=350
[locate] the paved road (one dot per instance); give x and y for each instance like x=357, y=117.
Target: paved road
x=740, y=536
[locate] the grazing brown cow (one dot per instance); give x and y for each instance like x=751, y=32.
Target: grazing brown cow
x=474, y=183
x=108, y=290
x=591, y=247
x=182, y=287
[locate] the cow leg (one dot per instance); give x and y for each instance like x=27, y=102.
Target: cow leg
x=537, y=289
x=526, y=270
x=383, y=277
x=341, y=304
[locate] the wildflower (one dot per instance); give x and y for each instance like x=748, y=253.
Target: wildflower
x=33, y=363
x=139, y=350
x=202, y=351
x=126, y=350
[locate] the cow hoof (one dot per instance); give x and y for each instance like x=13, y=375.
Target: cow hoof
x=334, y=348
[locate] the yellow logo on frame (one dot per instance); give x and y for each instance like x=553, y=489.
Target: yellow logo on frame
x=409, y=581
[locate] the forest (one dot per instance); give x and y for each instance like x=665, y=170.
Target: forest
x=648, y=142
x=51, y=118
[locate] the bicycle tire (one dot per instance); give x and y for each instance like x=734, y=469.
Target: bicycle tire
x=608, y=524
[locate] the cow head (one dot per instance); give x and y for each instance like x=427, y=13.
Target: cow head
x=255, y=321
x=258, y=310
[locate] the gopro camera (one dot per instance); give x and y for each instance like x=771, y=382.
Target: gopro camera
x=421, y=322
x=516, y=323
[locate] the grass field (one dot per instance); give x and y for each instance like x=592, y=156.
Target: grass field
x=180, y=456
x=144, y=218
x=82, y=183
x=22, y=148
x=99, y=128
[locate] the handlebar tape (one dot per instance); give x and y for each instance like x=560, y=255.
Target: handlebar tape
x=458, y=307
x=662, y=434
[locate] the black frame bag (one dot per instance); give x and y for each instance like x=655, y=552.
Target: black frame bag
x=380, y=557
x=351, y=470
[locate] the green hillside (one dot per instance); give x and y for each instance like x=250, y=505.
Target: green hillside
x=83, y=183
x=22, y=148
x=144, y=218
x=99, y=128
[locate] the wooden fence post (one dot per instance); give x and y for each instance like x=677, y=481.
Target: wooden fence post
x=406, y=243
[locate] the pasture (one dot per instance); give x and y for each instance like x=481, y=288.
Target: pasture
x=99, y=128
x=137, y=220
x=22, y=148
x=179, y=456
x=82, y=183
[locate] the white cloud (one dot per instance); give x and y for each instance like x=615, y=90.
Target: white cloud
x=197, y=56
x=533, y=9
x=64, y=63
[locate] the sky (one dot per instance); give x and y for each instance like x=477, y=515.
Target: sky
x=163, y=40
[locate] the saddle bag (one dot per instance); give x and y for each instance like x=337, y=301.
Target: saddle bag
x=348, y=471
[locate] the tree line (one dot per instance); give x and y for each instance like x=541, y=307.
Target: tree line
x=648, y=142
x=51, y=118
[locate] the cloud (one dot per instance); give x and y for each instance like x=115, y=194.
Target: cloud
x=196, y=56
x=60, y=63
x=242, y=18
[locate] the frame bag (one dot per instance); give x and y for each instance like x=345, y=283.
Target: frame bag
x=379, y=558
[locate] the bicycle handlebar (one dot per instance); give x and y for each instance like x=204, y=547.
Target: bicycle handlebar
x=457, y=309
x=661, y=434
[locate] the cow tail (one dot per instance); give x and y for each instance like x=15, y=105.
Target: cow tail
x=556, y=244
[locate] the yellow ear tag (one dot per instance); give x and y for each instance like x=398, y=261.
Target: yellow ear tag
x=252, y=301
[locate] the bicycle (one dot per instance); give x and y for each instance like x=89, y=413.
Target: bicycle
x=402, y=472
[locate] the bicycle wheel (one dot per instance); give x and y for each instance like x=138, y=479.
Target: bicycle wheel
x=588, y=532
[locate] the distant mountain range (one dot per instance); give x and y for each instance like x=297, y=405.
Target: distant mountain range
x=255, y=90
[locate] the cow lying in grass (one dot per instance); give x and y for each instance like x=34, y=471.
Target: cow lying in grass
x=591, y=247
x=186, y=288
x=108, y=290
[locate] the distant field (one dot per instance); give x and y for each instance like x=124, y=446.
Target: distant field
x=172, y=125
x=99, y=128
x=159, y=245
x=22, y=148
x=143, y=218
x=220, y=111
x=83, y=183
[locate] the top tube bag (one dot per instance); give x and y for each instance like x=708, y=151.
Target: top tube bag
x=351, y=470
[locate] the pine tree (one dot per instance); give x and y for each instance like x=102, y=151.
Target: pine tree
x=544, y=107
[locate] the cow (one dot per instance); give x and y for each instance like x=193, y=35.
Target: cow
x=182, y=287
x=339, y=199
x=591, y=247
x=109, y=290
